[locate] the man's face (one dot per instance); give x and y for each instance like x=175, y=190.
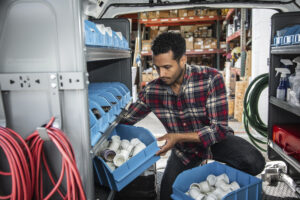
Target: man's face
x=169, y=70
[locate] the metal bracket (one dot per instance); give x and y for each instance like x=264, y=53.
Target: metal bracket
x=2, y=112
x=43, y=133
x=42, y=81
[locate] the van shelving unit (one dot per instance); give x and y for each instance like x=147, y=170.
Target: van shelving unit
x=281, y=112
x=45, y=68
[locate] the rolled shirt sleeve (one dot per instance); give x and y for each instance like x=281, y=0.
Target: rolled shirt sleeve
x=217, y=113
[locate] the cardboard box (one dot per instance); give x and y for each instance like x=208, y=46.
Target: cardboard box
x=248, y=71
x=198, y=43
x=231, y=107
x=143, y=15
x=164, y=14
x=173, y=13
x=147, y=77
x=153, y=14
x=223, y=45
x=189, y=42
x=191, y=13
x=210, y=43
x=146, y=45
x=153, y=32
x=240, y=89
x=182, y=13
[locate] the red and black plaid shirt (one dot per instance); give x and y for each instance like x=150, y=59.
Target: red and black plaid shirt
x=201, y=106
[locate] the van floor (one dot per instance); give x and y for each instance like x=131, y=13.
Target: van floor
x=279, y=192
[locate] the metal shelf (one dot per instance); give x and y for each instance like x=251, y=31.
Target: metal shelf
x=293, y=49
x=192, y=52
x=108, y=131
x=179, y=20
x=292, y=161
x=235, y=35
x=229, y=14
x=101, y=53
x=285, y=105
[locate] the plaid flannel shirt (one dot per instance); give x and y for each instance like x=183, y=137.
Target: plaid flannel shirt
x=201, y=106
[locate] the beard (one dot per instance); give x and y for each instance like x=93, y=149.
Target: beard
x=171, y=80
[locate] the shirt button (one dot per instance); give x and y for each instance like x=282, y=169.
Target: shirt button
x=184, y=124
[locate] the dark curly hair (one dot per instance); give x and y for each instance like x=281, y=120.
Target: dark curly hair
x=169, y=41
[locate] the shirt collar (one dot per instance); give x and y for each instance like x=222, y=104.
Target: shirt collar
x=186, y=78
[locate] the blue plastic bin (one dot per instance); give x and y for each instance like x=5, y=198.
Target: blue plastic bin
x=103, y=36
x=122, y=176
x=101, y=101
x=97, y=126
x=90, y=33
x=251, y=187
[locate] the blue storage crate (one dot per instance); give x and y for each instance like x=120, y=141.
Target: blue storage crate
x=123, y=175
x=116, y=40
x=97, y=126
x=101, y=101
x=110, y=41
x=90, y=33
x=115, y=103
x=103, y=36
x=251, y=187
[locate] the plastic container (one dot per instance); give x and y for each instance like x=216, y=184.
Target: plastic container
x=97, y=126
x=123, y=175
x=107, y=108
x=251, y=187
x=103, y=36
x=90, y=33
x=288, y=138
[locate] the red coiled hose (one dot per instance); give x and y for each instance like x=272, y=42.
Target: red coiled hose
x=68, y=165
x=21, y=165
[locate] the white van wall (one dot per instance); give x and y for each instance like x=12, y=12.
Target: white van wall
x=261, y=20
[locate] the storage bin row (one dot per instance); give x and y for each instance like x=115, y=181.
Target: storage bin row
x=99, y=35
x=250, y=186
x=120, y=177
x=106, y=101
x=287, y=36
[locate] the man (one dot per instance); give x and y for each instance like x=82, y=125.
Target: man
x=191, y=103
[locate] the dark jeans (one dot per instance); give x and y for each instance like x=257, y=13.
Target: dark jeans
x=234, y=151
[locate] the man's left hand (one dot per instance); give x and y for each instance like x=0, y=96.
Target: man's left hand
x=171, y=140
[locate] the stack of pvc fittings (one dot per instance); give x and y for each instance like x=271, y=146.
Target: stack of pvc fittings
x=119, y=151
x=213, y=188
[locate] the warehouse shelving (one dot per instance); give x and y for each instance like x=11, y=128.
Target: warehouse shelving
x=229, y=14
x=194, y=52
x=281, y=112
x=191, y=20
x=178, y=21
x=234, y=36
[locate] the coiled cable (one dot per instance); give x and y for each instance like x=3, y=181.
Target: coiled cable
x=251, y=115
x=68, y=166
x=21, y=165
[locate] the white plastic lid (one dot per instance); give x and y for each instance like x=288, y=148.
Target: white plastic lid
x=101, y=28
x=119, y=34
x=109, y=31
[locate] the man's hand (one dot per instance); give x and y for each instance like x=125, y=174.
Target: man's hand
x=171, y=140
